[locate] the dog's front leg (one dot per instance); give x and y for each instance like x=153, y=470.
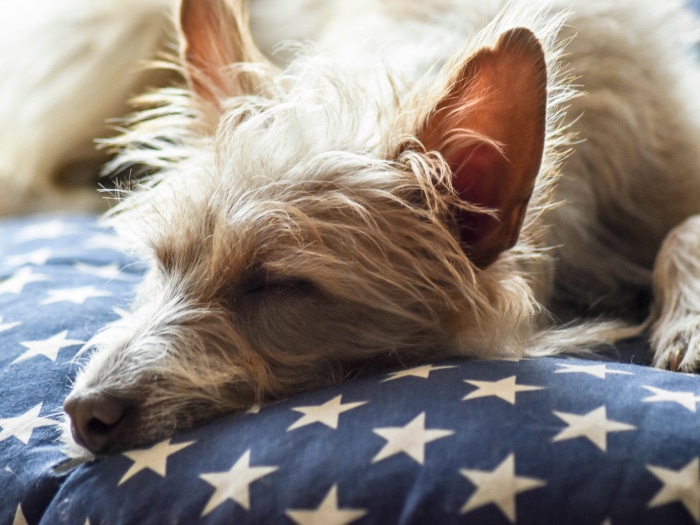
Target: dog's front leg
x=675, y=317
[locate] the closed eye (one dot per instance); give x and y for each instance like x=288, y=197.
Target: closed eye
x=274, y=287
x=265, y=285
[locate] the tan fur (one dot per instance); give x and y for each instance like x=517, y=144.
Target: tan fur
x=303, y=223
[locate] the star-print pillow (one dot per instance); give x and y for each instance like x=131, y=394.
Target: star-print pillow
x=547, y=441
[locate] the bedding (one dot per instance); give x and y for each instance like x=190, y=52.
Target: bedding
x=545, y=441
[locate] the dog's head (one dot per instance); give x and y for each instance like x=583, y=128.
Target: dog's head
x=307, y=227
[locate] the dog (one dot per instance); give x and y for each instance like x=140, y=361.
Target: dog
x=412, y=181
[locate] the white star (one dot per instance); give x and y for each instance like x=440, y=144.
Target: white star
x=37, y=258
x=74, y=295
x=326, y=414
x=598, y=371
x=22, y=427
x=504, y=389
x=108, y=272
x=47, y=347
x=685, y=399
x=499, y=486
x=154, y=459
x=410, y=440
x=8, y=326
x=682, y=486
x=45, y=230
x=19, y=517
x=16, y=283
x=593, y=426
x=327, y=513
x=420, y=371
x=234, y=484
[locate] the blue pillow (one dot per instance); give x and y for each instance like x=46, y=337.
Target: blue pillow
x=546, y=441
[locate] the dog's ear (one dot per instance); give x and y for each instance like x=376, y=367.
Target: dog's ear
x=490, y=128
x=215, y=35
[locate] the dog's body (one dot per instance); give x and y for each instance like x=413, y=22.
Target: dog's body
x=326, y=215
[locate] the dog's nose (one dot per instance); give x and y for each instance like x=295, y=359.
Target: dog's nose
x=95, y=419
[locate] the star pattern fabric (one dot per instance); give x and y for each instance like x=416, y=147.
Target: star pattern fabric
x=499, y=487
x=19, y=518
x=410, y=439
x=327, y=414
x=154, y=459
x=48, y=348
x=35, y=258
x=22, y=426
x=679, y=486
x=593, y=426
x=51, y=229
x=74, y=295
x=505, y=389
x=234, y=484
x=688, y=400
x=422, y=372
x=108, y=271
x=528, y=442
x=600, y=370
x=8, y=326
x=16, y=283
x=327, y=513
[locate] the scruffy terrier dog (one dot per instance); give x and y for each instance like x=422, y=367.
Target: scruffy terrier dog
x=425, y=179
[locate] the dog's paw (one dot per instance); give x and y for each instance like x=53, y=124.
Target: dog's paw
x=679, y=350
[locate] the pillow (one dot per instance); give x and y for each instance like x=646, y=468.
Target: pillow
x=550, y=440
x=60, y=280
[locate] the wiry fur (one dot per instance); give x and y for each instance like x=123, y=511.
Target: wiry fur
x=300, y=231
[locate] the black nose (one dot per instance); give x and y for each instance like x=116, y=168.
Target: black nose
x=96, y=419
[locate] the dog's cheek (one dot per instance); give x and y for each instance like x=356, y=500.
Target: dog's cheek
x=309, y=334
x=290, y=318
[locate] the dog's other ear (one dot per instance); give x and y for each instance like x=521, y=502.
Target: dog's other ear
x=490, y=128
x=215, y=34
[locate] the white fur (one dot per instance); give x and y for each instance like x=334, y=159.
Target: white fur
x=299, y=232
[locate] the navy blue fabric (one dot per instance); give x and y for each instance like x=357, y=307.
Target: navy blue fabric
x=547, y=441
x=40, y=259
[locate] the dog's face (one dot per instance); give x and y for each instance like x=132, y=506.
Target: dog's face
x=314, y=230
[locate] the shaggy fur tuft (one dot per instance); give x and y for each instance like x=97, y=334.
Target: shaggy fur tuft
x=413, y=181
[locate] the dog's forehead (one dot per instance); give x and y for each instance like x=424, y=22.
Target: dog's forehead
x=262, y=212
x=314, y=110
x=282, y=171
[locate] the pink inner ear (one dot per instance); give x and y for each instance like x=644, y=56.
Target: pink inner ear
x=215, y=35
x=206, y=48
x=499, y=94
x=481, y=180
x=476, y=163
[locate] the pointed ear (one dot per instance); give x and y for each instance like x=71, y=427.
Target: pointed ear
x=490, y=128
x=215, y=34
